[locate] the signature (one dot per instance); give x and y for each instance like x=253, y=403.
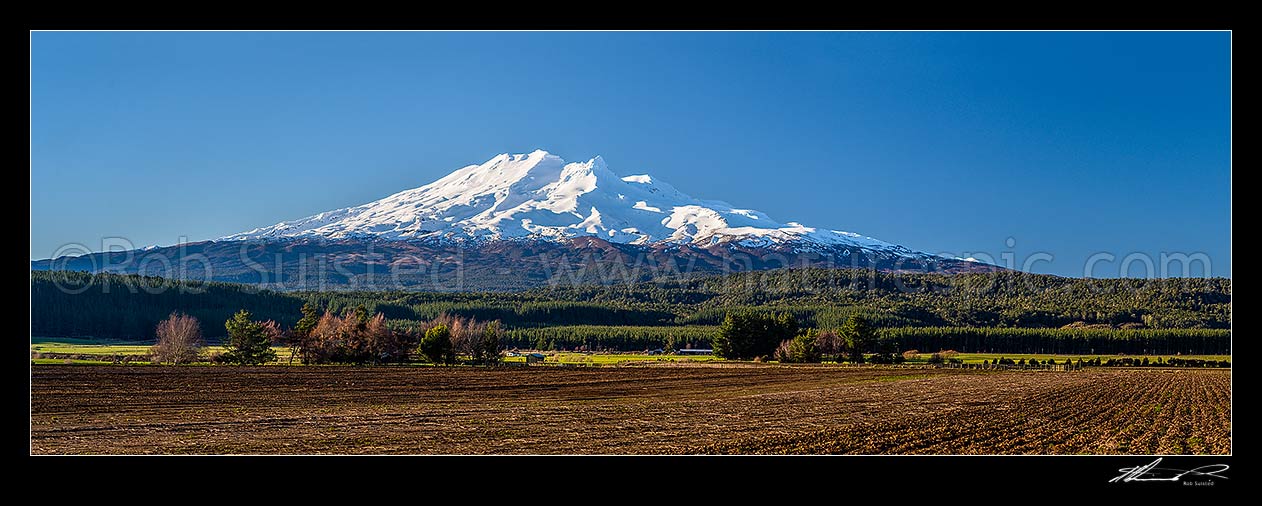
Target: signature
x=1151, y=472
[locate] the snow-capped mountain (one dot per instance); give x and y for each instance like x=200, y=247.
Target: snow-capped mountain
x=539, y=195
x=515, y=222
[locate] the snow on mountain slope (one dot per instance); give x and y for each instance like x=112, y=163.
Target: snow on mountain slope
x=539, y=195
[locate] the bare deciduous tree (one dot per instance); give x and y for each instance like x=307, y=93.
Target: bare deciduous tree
x=275, y=335
x=830, y=343
x=179, y=339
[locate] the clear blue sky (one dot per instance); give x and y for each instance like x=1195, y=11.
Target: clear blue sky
x=1070, y=143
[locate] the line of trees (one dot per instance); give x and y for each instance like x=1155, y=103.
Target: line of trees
x=354, y=337
x=851, y=342
x=998, y=312
x=824, y=297
x=112, y=306
x=756, y=335
x=610, y=338
x=746, y=335
x=128, y=306
x=357, y=338
x=1071, y=341
x=447, y=336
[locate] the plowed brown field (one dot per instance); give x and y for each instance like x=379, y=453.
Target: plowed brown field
x=636, y=410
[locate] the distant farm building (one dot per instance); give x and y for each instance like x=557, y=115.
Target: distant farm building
x=535, y=357
x=695, y=351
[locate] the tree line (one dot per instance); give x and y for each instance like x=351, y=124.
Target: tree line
x=353, y=337
x=1000, y=312
x=1068, y=341
x=610, y=338
x=761, y=336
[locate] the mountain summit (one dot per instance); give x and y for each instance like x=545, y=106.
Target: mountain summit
x=539, y=195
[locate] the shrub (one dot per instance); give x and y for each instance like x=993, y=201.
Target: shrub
x=886, y=358
x=782, y=353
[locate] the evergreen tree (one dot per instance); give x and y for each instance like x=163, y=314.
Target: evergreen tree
x=488, y=348
x=803, y=348
x=436, y=346
x=859, y=335
x=248, y=341
x=310, y=317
